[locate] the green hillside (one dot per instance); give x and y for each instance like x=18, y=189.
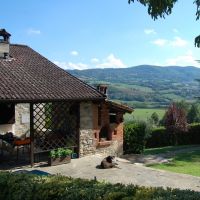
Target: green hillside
x=146, y=86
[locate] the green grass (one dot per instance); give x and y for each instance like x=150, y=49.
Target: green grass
x=154, y=151
x=144, y=114
x=187, y=162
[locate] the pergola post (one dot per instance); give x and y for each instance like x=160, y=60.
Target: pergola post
x=31, y=136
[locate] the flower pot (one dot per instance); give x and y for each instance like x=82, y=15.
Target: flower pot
x=59, y=161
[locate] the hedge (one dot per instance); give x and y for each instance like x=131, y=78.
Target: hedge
x=160, y=137
x=134, y=137
x=33, y=187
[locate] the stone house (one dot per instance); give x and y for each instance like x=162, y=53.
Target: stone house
x=42, y=102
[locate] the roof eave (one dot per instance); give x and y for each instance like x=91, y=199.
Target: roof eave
x=50, y=100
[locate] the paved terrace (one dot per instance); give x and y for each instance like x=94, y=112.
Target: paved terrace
x=129, y=173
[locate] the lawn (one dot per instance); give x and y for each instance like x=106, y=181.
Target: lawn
x=144, y=114
x=161, y=150
x=186, y=159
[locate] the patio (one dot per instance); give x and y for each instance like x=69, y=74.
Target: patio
x=52, y=125
x=128, y=173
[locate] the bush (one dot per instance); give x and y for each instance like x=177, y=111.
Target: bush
x=32, y=187
x=160, y=137
x=60, y=152
x=135, y=135
x=190, y=137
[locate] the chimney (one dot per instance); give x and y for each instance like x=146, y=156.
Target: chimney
x=4, y=43
x=103, y=89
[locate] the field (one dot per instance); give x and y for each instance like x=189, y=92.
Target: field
x=144, y=114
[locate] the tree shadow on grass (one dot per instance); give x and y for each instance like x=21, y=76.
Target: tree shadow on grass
x=192, y=156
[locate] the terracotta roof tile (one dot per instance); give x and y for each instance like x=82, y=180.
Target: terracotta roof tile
x=28, y=76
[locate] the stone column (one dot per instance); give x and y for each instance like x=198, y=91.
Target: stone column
x=87, y=146
x=22, y=120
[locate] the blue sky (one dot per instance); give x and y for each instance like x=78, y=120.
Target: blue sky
x=103, y=33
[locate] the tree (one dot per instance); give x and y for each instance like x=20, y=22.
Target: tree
x=155, y=118
x=183, y=105
x=161, y=8
x=194, y=114
x=175, y=121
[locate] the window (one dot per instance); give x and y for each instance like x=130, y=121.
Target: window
x=7, y=113
x=112, y=118
x=104, y=133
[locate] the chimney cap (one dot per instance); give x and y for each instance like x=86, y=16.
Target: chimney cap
x=3, y=32
x=101, y=85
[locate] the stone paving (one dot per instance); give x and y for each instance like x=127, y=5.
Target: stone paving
x=127, y=173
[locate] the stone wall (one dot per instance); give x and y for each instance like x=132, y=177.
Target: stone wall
x=87, y=146
x=89, y=129
x=115, y=148
x=22, y=120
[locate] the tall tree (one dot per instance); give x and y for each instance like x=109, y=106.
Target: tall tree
x=155, y=118
x=194, y=114
x=183, y=105
x=161, y=8
x=175, y=121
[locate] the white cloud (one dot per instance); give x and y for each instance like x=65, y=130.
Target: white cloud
x=32, y=31
x=111, y=62
x=160, y=42
x=149, y=31
x=175, y=42
x=74, y=53
x=70, y=65
x=178, y=42
x=187, y=59
x=94, y=60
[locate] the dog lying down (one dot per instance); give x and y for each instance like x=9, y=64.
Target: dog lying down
x=108, y=162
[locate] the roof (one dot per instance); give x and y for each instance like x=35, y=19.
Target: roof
x=119, y=107
x=27, y=76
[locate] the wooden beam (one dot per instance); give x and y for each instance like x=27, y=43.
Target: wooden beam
x=78, y=130
x=31, y=135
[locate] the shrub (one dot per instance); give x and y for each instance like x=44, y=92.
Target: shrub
x=60, y=152
x=28, y=187
x=160, y=137
x=190, y=137
x=135, y=135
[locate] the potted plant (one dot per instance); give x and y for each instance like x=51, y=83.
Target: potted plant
x=60, y=156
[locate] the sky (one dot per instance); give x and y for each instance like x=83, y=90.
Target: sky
x=86, y=34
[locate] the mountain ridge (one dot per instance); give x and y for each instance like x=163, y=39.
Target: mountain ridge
x=146, y=84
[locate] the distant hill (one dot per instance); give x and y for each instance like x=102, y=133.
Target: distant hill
x=146, y=85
